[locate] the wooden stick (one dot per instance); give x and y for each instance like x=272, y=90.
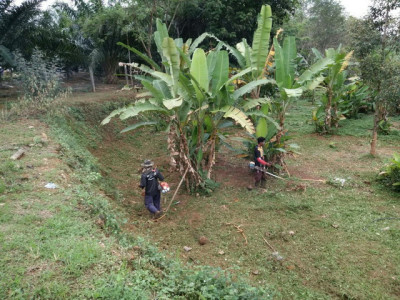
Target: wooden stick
x=177, y=189
x=316, y=180
x=173, y=197
x=269, y=245
x=240, y=230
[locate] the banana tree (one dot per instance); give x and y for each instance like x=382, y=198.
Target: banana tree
x=289, y=85
x=193, y=92
x=333, y=84
x=254, y=57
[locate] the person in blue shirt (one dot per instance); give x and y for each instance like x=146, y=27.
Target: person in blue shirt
x=152, y=191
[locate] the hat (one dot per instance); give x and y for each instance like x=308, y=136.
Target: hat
x=147, y=163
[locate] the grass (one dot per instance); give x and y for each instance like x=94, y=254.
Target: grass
x=345, y=238
x=52, y=248
x=336, y=241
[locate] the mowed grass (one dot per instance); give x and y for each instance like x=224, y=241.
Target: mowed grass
x=66, y=243
x=336, y=241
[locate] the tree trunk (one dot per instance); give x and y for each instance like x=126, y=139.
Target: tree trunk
x=110, y=68
x=380, y=114
x=374, y=134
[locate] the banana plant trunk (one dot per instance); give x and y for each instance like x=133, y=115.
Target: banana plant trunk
x=193, y=179
x=328, y=111
x=179, y=155
x=335, y=121
x=211, y=155
x=279, y=158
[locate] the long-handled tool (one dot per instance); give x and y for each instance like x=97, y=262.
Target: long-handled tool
x=173, y=197
x=268, y=173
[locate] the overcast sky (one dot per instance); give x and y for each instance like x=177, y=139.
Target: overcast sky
x=356, y=8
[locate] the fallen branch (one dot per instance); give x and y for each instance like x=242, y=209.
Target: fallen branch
x=316, y=180
x=240, y=230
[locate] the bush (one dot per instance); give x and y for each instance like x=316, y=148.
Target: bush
x=391, y=175
x=40, y=82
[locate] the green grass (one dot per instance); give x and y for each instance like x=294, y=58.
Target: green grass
x=52, y=248
x=345, y=242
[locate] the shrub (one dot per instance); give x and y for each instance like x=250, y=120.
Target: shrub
x=391, y=174
x=40, y=82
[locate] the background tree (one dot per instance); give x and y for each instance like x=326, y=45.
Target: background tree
x=375, y=40
x=229, y=20
x=18, y=25
x=105, y=29
x=317, y=24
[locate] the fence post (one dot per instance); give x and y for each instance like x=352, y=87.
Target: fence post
x=126, y=75
x=92, y=79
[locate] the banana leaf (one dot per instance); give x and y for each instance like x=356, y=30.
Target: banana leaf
x=249, y=87
x=172, y=55
x=199, y=71
x=260, y=46
x=138, y=125
x=239, y=116
x=220, y=72
x=141, y=55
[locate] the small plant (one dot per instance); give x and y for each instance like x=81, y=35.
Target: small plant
x=355, y=99
x=390, y=176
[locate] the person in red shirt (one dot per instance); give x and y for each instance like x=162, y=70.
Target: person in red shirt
x=259, y=161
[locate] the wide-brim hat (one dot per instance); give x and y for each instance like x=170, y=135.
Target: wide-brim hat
x=147, y=163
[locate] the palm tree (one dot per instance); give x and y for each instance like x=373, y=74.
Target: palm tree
x=17, y=24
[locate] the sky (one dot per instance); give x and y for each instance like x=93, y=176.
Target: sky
x=356, y=8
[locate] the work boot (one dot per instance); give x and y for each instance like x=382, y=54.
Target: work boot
x=158, y=214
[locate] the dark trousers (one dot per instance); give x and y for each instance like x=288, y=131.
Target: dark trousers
x=153, y=203
x=259, y=176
